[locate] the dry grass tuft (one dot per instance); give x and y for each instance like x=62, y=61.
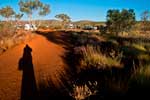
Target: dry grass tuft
x=80, y=92
x=92, y=57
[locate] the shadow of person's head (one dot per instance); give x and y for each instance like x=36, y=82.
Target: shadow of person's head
x=27, y=49
x=27, y=52
x=26, y=59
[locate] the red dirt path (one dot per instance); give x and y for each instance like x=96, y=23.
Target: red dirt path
x=47, y=61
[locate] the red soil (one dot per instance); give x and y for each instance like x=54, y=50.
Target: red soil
x=47, y=62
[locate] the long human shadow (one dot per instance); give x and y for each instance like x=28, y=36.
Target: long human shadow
x=28, y=88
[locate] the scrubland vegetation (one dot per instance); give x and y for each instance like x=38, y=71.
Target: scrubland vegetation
x=118, y=65
x=102, y=66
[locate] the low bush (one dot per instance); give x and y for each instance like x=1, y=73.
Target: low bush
x=7, y=29
x=9, y=40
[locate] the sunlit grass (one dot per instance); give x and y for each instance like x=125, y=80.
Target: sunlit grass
x=92, y=57
x=139, y=47
x=142, y=76
x=81, y=92
x=143, y=72
x=144, y=57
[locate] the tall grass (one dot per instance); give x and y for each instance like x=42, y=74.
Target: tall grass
x=142, y=75
x=139, y=47
x=92, y=57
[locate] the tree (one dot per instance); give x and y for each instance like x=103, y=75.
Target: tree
x=120, y=21
x=64, y=18
x=7, y=28
x=145, y=21
x=18, y=17
x=30, y=7
x=7, y=12
x=45, y=9
x=113, y=20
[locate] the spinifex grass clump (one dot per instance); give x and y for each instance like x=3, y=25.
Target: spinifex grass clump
x=93, y=57
x=81, y=92
x=142, y=76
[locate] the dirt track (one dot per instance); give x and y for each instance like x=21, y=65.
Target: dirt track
x=46, y=59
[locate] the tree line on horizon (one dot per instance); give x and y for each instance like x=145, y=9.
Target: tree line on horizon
x=116, y=20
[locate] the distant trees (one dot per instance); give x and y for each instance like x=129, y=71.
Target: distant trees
x=7, y=12
x=30, y=7
x=120, y=21
x=145, y=21
x=64, y=18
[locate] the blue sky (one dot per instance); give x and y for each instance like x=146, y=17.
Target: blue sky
x=86, y=9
